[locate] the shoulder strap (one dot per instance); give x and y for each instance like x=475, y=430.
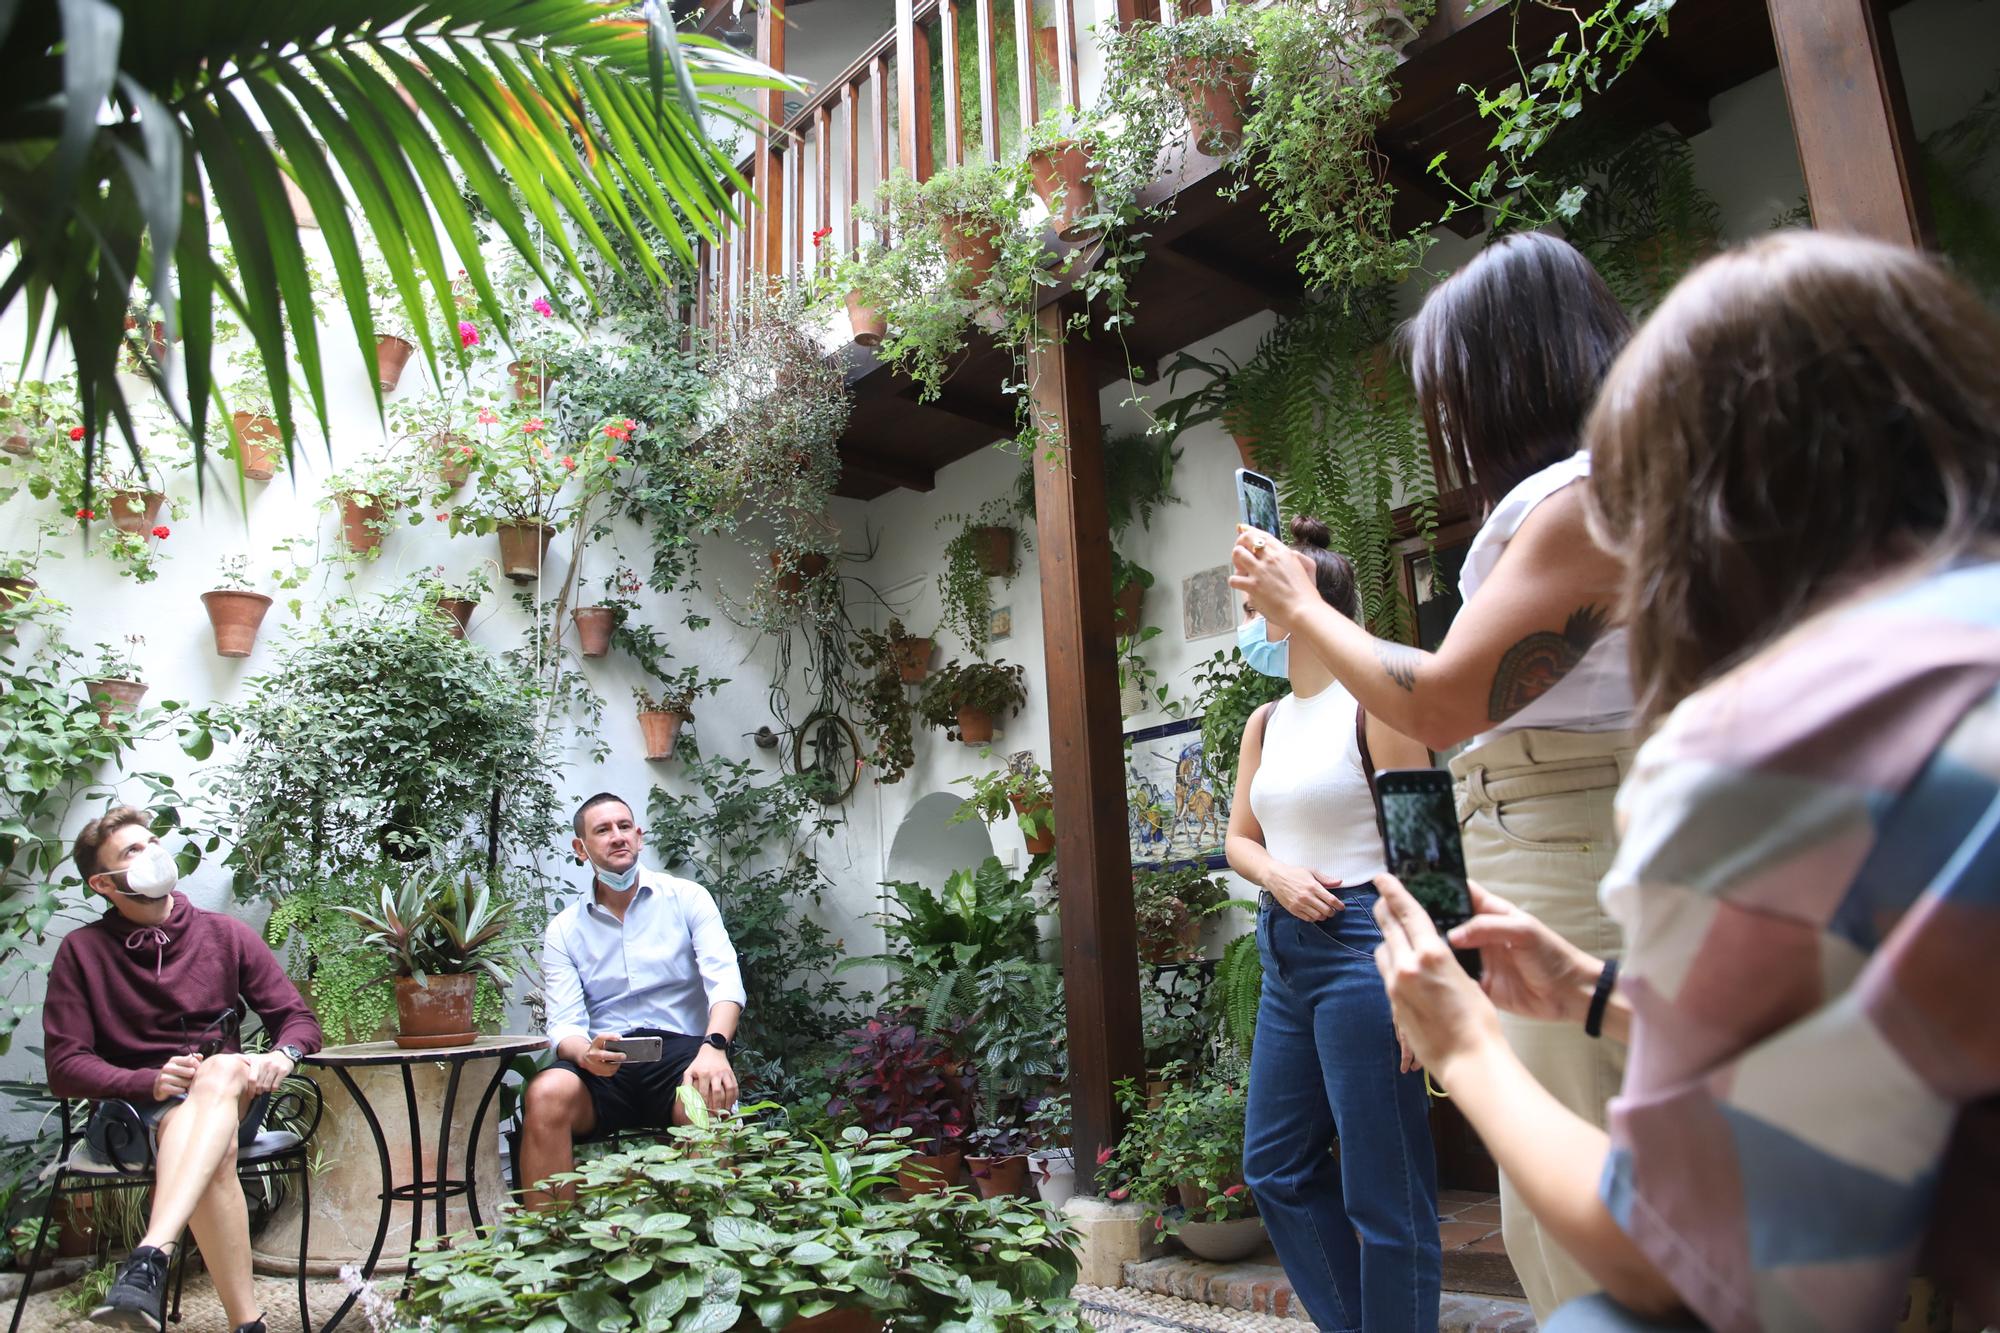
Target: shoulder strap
x=1368, y=766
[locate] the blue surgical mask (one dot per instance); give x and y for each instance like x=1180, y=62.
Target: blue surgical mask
x=1265, y=658
x=618, y=881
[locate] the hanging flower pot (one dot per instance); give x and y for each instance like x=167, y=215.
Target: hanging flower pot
x=975, y=726
x=913, y=658
x=115, y=696
x=522, y=548
x=660, y=729
x=867, y=322
x=1126, y=605
x=360, y=519
x=136, y=511
x=391, y=355
x=1216, y=95
x=529, y=383
x=15, y=439
x=1044, y=841
x=1064, y=166
x=973, y=243
x=436, y=1011
x=994, y=548
x=156, y=338
x=258, y=437
x=234, y=614
x=454, y=458
x=593, y=629
x=792, y=582
x=14, y=592
x=456, y=612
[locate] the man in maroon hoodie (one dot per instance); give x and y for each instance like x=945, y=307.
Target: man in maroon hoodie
x=141, y=1008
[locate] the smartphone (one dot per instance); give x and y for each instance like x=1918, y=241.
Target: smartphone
x=1420, y=838
x=1256, y=500
x=638, y=1050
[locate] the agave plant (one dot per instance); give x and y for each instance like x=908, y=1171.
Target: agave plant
x=130, y=128
x=438, y=926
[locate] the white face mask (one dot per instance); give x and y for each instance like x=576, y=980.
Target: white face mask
x=153, y=873
x=618, y=881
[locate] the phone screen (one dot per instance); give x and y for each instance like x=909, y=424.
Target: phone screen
x=1420, y=837
x=1256, y=500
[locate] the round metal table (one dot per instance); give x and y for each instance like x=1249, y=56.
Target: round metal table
x=422, y=1188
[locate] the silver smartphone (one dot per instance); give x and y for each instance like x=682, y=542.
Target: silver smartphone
x=638, y=1050
x=1256, y=500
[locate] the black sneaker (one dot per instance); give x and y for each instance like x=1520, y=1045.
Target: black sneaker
x=254, y=1326
x=139, y=1293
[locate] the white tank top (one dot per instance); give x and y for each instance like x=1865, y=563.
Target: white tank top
x=1596, y=695
x=1310, y=794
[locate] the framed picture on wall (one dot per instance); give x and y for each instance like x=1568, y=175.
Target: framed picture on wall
x=1177, y=808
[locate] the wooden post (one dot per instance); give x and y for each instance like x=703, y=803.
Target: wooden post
x=1086, y=740
x=1850, y=118
x=913, y=93
x=989, y=82
x=769, y=225
x=954, y=122
x=1024, y=60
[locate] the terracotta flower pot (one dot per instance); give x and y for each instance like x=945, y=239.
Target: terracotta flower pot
x=454, y=463
x=234, y=614
x=14, y=592
x=456, y=612
x=136, y=511
x=999, y=1177
x=913, y=658
x=660, y=730
x=978, y=252
x=437, y=1012
x=791, y=582
x=359, y=517
x=115, y=696
x=529, y=384
x=260, y=440
x=16, y=439
x=593, y=629
x=156, y=338
x=975, y=727
x=522, y=549
x=1037, y=842
x=1065, y=167
x=866, y=321
x=1217, y=101
x=1126, y=605
x=929, y=1173
x=994, y=550
x=391, y=355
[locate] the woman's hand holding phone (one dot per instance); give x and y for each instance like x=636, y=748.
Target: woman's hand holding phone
x=1306, y=894
x=1527, y=969
x=1439, y=1010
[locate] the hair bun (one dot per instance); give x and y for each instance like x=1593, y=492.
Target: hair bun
x=1309, y=531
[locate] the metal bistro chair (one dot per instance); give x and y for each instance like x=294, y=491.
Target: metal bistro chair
x=274, y=1154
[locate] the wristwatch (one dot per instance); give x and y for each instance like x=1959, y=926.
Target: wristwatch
x=294, y=1054
x=720, y=1043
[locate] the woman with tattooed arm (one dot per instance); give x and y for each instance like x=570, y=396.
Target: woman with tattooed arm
x=1507, y=357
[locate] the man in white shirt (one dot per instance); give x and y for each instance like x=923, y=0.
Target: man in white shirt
x=641, y=953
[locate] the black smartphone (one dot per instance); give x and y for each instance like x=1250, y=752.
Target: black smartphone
x=1420, y=838
x=1256, y=500
x=637, y=1050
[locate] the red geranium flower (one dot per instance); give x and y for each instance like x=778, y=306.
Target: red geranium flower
x=569, y=463
x=533, y=424
x=611, y=458
x=1119, y=1194
x=487, y=416
x=163, y=531
x=821, y=234
x=1103, y=1156
x=76, y=432
x=1232, y=1191
x=443, y=517
x=86, y=513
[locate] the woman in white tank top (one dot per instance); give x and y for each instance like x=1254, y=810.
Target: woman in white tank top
x=1359, y=1243
x=1507, y=356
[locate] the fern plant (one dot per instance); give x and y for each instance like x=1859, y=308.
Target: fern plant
x=1337, y=427
x=1644, y=220
x=1237, y=991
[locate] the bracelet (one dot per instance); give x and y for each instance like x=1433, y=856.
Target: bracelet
x=1593, y=1023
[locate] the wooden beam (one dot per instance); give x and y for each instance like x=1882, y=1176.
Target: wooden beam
x=1280, y=289
x=971, y=410
x=1086, y=743
x=889, y=471
x=1416, y=188
x=1850, y=118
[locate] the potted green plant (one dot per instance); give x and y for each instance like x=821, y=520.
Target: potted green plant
x=366, y=496
x=530, y=483
x=1137, y=678
x=1016, y=1035
x=457, y=598
x=17, y=579
x=1060, y=166
x=883, y=703
x=116, y=688
x=1183, y=1156
x=392, y=325
x=441, y=935
x=911, y=653
x=254, y=440
x=1130, y=581
x=1169, y=906
x=964, y=701
x=894, y=1078
x=663, y=714
x=1022, y=788
x=235, y=609
x=982, y=547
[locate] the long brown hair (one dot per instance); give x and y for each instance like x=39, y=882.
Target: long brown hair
x=1506, y=356
x=1798, y=416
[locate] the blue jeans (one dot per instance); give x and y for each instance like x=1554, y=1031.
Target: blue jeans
x=1324, y=1065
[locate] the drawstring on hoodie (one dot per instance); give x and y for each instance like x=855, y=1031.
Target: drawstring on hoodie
x=152, y=936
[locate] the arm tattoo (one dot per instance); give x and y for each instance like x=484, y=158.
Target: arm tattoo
x=1533, y=667
x=1399, y=663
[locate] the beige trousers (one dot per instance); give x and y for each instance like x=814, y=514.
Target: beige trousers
x=1535, y=808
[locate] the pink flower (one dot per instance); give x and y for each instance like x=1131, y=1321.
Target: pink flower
x=1232, y=1191
x=163, y=531
x=468, y=333
x=465, y=449
x=569, y=463
x=611, y=458
x=487, y=416
x=534, y=424
x=76, y=432
x=543, y=308
x=442, y=517
x=1103, y=1156
x=619, y=430
x=1120, y=1194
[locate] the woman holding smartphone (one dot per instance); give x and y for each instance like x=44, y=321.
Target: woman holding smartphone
x=1507, y=356
x=1326, y=1063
